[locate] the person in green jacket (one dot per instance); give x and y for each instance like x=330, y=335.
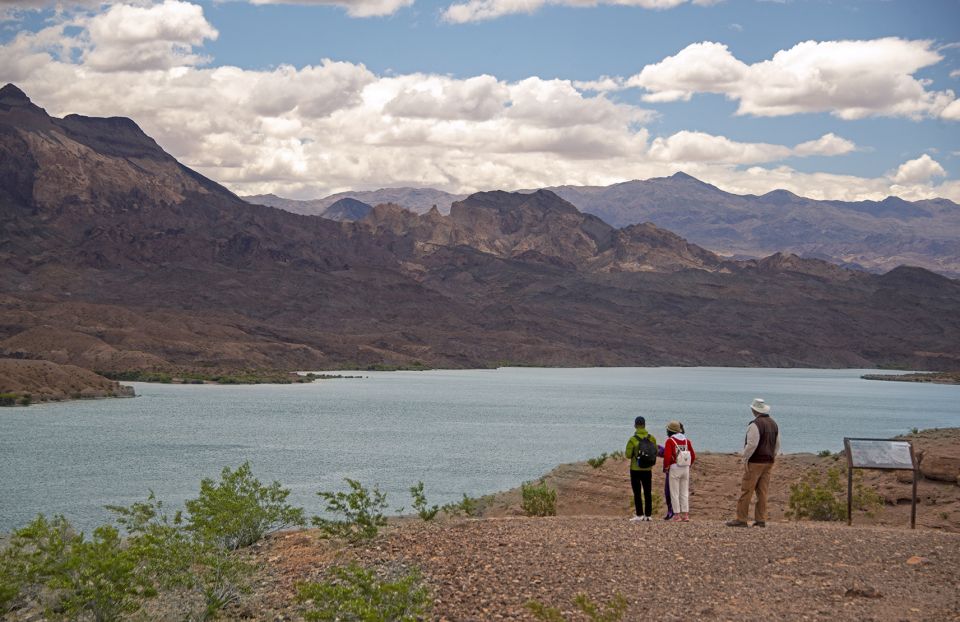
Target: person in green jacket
x=638, y=451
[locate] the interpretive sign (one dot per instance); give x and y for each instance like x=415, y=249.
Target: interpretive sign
x=884, y=455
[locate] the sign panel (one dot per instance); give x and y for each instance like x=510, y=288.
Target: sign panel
x=880, y=454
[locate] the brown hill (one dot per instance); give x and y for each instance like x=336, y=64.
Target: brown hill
x=114, y=254
x=45, y=381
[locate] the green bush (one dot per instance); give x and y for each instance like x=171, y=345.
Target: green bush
x=427, y=513
x=97, y=577
x=238, y=510
x=822, y=497
x=362, y=511
x=538, y=499
x=8, y=399
x=613, y=611
x=598, y=461
x=824, y=453
x=467, y=506
x=618, y=455
x=353, y=593
x=177, y=558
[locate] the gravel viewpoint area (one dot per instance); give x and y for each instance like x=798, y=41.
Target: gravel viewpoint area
x=488, y=569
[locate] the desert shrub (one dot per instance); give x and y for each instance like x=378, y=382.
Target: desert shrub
x=238, y=510
x=824, y=453
x=538, y=499
x=426, y=512
x=94, y=577
x=613, y=611
x=598, y=461
x=467, y=506
x=353, y=593
x=822, y=497
x=362, y=512
x=8, y=399
x=618, y=455
x=178, y=558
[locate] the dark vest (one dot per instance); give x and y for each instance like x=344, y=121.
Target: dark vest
x=767, y=447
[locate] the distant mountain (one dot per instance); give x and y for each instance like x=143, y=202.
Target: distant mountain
x=417, y=200
x=347, y=209
x=871, y=235
x=114, y=256
x=875, y=235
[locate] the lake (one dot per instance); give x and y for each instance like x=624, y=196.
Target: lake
x=474, y=432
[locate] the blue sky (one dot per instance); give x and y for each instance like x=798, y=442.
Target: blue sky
x=299, y=154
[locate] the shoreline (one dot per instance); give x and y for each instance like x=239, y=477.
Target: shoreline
x=935, y=377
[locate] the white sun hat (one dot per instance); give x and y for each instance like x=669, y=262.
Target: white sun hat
x=758, y=405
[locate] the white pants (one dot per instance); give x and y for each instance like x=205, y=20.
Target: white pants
x=680, y=488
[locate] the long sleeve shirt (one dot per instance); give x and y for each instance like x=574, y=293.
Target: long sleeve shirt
x=753, y=439
x=670, y=450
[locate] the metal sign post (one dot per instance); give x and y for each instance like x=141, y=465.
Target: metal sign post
x=883, y=455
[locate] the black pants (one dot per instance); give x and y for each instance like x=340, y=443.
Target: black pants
x=642, y=481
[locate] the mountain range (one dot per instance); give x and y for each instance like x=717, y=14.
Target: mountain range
x=114, y=256
x=872, y=235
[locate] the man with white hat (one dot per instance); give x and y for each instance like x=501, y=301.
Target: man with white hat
x=760, y=449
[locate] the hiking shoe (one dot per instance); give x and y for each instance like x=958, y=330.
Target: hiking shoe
x=647, y=518
x=668, y=516
x=636, y=519
x=676, y=518
x=760, y=523
x=686, y=518
x=736, y=523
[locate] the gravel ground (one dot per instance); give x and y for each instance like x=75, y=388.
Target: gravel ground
x=488, y=569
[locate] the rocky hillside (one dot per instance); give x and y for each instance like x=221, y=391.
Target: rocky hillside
x=42, y=381
x=116, y=257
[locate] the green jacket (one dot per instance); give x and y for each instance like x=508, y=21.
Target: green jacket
x=631, y=450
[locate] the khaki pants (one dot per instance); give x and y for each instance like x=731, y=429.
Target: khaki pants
x=756, y=477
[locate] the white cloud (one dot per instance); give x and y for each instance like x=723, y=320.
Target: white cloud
x=686, y=147
x=130, y=38
x=849, y=79
x=480, y=10
x=354, y=8
x=313, y=130
x=918, y=171
x=827, y=145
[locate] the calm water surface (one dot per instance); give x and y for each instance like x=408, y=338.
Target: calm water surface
x=457, y=431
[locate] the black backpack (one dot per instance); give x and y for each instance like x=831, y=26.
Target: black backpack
x=646, y=452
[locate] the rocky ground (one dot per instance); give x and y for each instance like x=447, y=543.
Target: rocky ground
x=45, y=381
x=488, y=569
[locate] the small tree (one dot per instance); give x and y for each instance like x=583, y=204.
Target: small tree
x=538, y=499
x=467, y=506
x=238, y=510
x=176, y=558
x=362, y=512
x=822, y=498
x=96, y=577
x=427, y=513
x=353, y=593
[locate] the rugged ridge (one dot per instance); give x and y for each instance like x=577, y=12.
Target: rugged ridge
x=115, y=256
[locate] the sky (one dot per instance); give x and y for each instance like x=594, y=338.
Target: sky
x=846, y=100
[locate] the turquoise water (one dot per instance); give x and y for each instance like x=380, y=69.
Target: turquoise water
x=459, y=432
